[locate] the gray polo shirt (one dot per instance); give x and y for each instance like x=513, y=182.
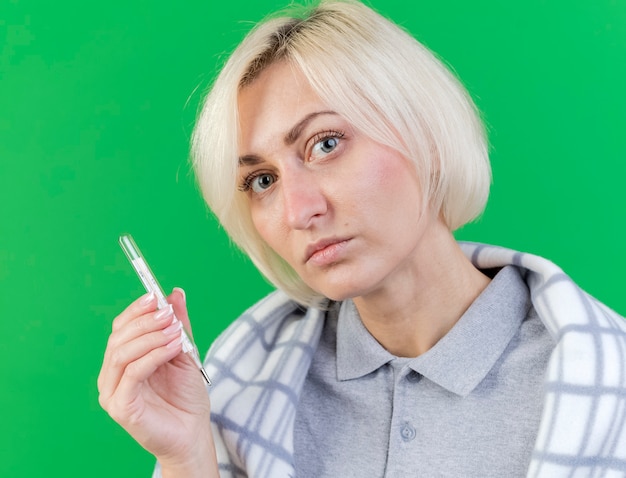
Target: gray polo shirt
x=469, y=407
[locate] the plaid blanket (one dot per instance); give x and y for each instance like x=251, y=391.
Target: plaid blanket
x=259, y=364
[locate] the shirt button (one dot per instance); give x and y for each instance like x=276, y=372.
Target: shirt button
x=407, y=432
x=413, y=376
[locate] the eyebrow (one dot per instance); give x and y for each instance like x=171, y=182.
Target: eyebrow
x=295, y=132
x=291, y=137
x=249, y=160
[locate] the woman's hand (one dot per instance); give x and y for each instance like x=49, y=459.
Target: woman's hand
x=156, y=392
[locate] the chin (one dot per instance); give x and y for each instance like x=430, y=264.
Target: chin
x=342, y=283
x=340, y=292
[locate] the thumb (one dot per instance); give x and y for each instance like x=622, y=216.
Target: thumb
x=178, y=300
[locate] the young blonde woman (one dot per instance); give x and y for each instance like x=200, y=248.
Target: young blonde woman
x=340, y=155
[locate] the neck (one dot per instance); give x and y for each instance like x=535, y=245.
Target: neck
x=422, y=300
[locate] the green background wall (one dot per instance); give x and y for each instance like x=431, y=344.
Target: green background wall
x=97, y=101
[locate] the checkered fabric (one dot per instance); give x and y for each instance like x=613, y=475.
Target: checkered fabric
x=258, y=366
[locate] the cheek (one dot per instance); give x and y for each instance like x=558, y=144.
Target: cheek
x=361, y=182
x=260, y=223
x=267, y=224
x=400, y=178
x=386, y=182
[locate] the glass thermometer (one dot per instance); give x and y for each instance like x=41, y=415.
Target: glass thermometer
x=150, y=283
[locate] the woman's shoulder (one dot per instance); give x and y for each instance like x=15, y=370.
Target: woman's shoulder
x=560, y=302
x=272, y=310
x=273, y=325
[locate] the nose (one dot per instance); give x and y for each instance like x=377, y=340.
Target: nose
x=304, y=200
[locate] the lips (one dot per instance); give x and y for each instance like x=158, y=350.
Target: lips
x=325, y=251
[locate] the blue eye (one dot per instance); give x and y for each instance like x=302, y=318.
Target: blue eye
x=261, y=182
x=325, y=146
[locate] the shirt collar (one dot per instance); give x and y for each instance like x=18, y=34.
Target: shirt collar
x=478, y=339
x=358, y=353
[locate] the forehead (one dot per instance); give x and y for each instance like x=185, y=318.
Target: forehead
x=278, y=98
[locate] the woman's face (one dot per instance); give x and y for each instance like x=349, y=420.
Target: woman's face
x=341, y=209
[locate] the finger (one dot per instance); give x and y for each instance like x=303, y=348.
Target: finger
x=125, y=360
x=139, y=334
x=139, y=371
x=178, y=299
x=138, y=326
x=144, y=304
x=133, y=329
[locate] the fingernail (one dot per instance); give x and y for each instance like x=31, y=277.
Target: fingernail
x=182, y=292
x=149, y=297
x=172, y=329
x=164, y=312
x=176, y=342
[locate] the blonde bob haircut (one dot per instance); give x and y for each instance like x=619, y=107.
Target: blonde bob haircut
x=382, y=81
